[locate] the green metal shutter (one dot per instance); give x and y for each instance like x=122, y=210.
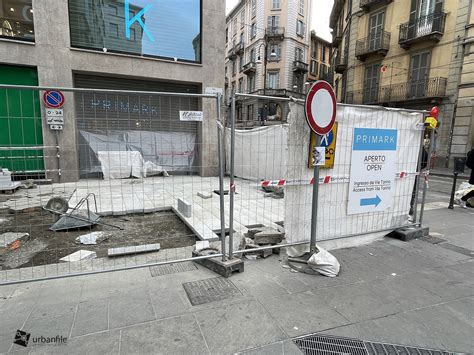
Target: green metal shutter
x=20, y=122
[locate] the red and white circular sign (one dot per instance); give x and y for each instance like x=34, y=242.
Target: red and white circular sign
x=320, y=107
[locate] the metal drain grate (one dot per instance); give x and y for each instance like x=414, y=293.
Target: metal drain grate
x=160, y=270
x=326, y=345
x=210, y=290
x=318, y=344
x=381, y=348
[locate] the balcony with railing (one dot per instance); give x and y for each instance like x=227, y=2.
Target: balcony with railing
x=422, y=90
x=300, y=66
x=275, y=33
x=338, y=34
x=369, y=5
x=250, y=68
x=377, y=43
x=425, y=28
x=340, y=64
x=231, y=53
x=239, y=48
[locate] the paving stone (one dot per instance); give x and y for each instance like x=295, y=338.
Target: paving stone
x=205, y=194
x=79, y=255
x=185, y=208
x=178, y=335
x=137, y=249
x=91, y=317
x=283, y=347
x=268, y=237
x=129, y=309
x=239, y=326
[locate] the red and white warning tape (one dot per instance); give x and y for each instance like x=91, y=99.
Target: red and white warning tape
x=328, y=180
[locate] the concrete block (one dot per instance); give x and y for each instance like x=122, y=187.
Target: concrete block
x=8, y=238
x=79, y=255
x=200, y=245
x=137, y=249
x=185, y=208
x=268, y=237
x=223, y=268
x=410, y=233
x=204, y=194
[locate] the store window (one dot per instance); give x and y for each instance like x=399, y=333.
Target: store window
x=16, y=20
x=145, y=27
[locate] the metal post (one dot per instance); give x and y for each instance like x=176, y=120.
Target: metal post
x=232, y=181
x=314, y=206
x=58, y=155
x=220, y=149
x=425, y=181
x=453, y=190
x=417, y=178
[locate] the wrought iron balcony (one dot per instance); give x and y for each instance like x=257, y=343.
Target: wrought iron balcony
x=250, y=68
x=231, y=53
x=239, y=48
x=275, y=33
x=340, y=64
x=425, y=28
x=368, y=5
x=377, y=43
x=422, y=90
x=300, y=66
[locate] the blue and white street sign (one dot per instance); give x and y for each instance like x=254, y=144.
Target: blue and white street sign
x=373, y=170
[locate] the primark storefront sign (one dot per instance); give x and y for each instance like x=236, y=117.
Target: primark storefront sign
x=167, y=29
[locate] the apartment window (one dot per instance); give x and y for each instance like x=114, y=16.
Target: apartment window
x=16, y=20
x=254, y=8
x=253, y=30
x=250, y=113
x=242, y=18
x=273, y=21
x=241, y=85
x=274, y=48
x=314, y=51
x=234, y=67
x=253, y=57
x=314, y=68
x=302, y=7
x=241, y=63
x=323, y=53
x=300, y=28
x=251, y=83
x=89, y=23
x=275, y=4
x=234, y=27
x=273, y=80
x=299, y=54
x=227, y=34
x=242, y=37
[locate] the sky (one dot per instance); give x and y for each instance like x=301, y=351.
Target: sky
x=320, y=16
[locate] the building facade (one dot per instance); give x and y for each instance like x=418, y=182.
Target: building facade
x=408, y=54
x=319, y=59
x=111, y=44
x=266, y=53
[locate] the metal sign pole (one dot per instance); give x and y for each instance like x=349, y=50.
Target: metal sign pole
x=314, y=206
x=232, y=180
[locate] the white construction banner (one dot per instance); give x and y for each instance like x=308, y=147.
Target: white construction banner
x=373, y=170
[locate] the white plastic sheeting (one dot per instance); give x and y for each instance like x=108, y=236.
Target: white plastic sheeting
x=333, y=220
x=260, y=153
x=150, y=153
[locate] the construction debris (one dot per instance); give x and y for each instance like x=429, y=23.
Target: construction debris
x=138, y=249
x=205, y=195
x=201, y=245
x=325, y=263
x=91, y=238
x=8, y=238
x=79, y=255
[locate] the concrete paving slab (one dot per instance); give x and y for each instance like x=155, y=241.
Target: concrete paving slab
x=130, y=308
x=178, y=335
x=91, y=317
x=238, y=326
x=306, y=313
x=283, y=347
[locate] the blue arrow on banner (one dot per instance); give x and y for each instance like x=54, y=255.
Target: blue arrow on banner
x=370, y=201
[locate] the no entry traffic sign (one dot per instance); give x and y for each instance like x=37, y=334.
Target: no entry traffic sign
x=320, y=107
x=53, y=99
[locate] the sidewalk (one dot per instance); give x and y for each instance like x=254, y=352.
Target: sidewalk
x=414, y=294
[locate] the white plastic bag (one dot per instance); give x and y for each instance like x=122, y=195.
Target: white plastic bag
x=324, y=263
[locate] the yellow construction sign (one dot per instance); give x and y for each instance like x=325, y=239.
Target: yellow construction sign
x=329, y=142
